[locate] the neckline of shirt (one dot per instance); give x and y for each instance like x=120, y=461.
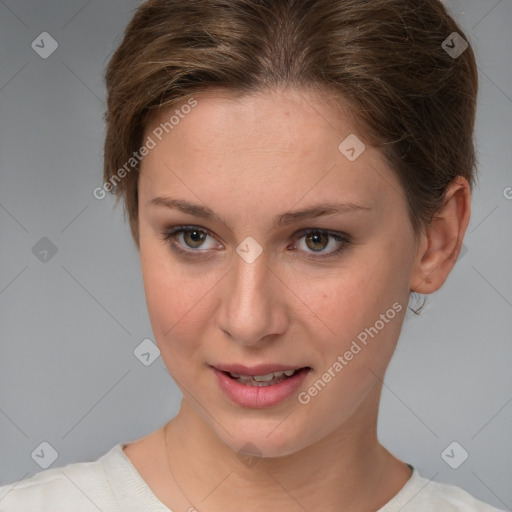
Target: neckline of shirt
x=123, y=474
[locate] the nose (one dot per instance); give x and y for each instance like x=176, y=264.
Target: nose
x=253, y=308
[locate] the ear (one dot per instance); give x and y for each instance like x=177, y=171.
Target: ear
x=439, y=245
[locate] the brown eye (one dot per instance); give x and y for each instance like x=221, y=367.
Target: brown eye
x=317, y=240
x=189, y=240
x=194, y=238
x=324, y=243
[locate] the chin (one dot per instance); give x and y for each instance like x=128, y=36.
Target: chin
x=265, y=440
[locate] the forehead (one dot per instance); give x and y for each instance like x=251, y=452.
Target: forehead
x=280, y=145
x=279, y=118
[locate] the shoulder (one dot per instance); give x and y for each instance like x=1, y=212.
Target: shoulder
x=81, y=487
x=423, y=495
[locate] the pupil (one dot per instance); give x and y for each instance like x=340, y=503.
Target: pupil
x=195, y=236
x=316, y=237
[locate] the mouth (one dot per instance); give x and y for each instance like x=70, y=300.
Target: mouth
x=260, y=386
x=268, y=379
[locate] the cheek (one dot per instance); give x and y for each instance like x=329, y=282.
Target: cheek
x=362, y=304
x=177, y=315
x=173, y=300
x=343, y=299
x=173, y=303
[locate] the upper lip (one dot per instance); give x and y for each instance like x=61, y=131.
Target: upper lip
x=259, y=369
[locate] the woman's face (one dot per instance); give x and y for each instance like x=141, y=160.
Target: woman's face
x=256, y=285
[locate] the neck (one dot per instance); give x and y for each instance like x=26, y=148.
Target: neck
x=346, y=470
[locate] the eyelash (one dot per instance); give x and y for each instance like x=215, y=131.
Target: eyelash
x=169, y=236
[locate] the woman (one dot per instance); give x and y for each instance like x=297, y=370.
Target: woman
x=292, y=171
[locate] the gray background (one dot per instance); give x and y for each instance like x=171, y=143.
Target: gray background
x=69, y=326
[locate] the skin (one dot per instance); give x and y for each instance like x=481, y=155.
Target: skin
x=250, y=158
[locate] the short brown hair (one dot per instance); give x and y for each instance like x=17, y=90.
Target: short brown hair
x=383, y=59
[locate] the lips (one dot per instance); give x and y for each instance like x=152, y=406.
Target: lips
x=246, y=391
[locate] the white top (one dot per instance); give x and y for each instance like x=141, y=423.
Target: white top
x=112, y=484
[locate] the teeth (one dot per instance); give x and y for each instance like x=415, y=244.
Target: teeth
x=264, y=378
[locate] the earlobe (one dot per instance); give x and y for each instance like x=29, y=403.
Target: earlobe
x=441, y=242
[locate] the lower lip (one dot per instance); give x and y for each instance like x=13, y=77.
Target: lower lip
x=259, y=397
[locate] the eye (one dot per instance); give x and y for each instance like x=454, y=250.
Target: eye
x=317, y=240
x=188, y=240
x=192, y=238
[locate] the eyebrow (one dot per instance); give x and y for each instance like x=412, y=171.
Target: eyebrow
x=283, y=219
